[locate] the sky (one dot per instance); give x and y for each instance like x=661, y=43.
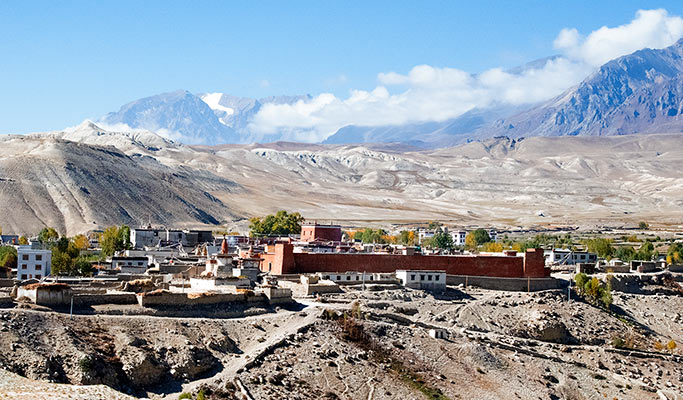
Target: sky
x=365, y=63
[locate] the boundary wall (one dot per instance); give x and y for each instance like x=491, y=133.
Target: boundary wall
x=283, y=260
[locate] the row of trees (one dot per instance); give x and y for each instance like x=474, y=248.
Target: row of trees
x=68, y=253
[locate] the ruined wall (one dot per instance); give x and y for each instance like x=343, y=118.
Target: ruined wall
x=509, y=284
x=85, y=300
x=185, y=299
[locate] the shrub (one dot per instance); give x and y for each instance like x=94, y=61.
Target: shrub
x=184, y=396
x=671, y=346
x=85, y=364
x=200, y=395
x=618, y=343
x=658, y=345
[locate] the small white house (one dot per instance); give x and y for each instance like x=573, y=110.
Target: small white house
x=130, y=265
x=568, y=257
x=459, y=237
x=422, y=279
x=33, y=263
x=354, y=277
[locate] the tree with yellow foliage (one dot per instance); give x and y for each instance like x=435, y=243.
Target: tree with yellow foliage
x=492, y=247
x=81, y=242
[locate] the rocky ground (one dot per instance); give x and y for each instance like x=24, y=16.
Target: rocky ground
x=499, y=345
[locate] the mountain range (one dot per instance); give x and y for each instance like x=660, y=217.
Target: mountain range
x=636, y=93
x=88, y=177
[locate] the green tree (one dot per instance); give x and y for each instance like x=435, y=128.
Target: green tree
x=601, y=246
x=280, y=223
x=23, y=240
x=625, y=253
x=646, y=252
x=124, y=237
x=442, y=240
x=115, y=239
x=48, y=235
x=476, y=238
x=643, y=225
x=369, y=235
x=8, y=257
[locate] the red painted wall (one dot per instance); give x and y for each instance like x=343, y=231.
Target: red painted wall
x=310, y=233
x=284, y=261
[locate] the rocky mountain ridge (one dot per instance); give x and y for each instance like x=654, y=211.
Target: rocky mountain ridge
x=89, y=178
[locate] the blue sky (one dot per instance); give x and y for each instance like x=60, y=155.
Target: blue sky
x=66, y=61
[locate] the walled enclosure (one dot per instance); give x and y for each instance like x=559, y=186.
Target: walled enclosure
x=284, y=261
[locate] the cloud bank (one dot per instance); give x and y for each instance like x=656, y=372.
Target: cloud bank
x=428, y=93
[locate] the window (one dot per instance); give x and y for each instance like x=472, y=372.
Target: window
x=429, y=277
x=348, y=278
x=37, y=276
x=422, y=277
x=38, y=267
x=270, y=266
x=24, y=257
x=140, y=263
x=24, y=266
x=23, y=277
x=371, y=277
x=357, y=277
x=412, y=277
x=39, y=257
x=436, y=278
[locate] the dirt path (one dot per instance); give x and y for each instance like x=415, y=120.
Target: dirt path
x=291, y=326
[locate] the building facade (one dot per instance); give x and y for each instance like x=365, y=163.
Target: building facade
x=421, y=279
x=568, y=257
x=33, y=263
x=280, y=259
x=130, y=265
x=313, y=231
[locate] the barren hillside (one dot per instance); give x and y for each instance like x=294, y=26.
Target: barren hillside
x=90, y=178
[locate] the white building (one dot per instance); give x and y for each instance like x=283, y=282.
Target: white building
x=568, y=257
x=422, y=279
x=493, y=234
x=459, y=237
x=354, y=277
x=33, y=263
x=130, y=265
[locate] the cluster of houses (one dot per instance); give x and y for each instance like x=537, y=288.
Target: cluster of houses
x=202, y=261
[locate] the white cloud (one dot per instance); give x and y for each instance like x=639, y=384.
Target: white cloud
x=651, y=28
x=429, y=93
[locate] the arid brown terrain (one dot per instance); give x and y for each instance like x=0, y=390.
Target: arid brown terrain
x=88, y=178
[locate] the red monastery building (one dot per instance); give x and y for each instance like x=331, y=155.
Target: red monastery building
x=313, y=231
x=281, y=259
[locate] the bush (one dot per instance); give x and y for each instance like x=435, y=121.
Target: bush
x=85, y=364
x=185, y=396
x=671, y=346
x=593, y=290
x=200, y=395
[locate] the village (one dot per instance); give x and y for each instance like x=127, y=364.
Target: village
x=412, y=279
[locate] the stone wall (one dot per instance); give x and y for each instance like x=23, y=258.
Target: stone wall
x=85, y=300
x=510, y=284
x=46, y=294
x=164, y=298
